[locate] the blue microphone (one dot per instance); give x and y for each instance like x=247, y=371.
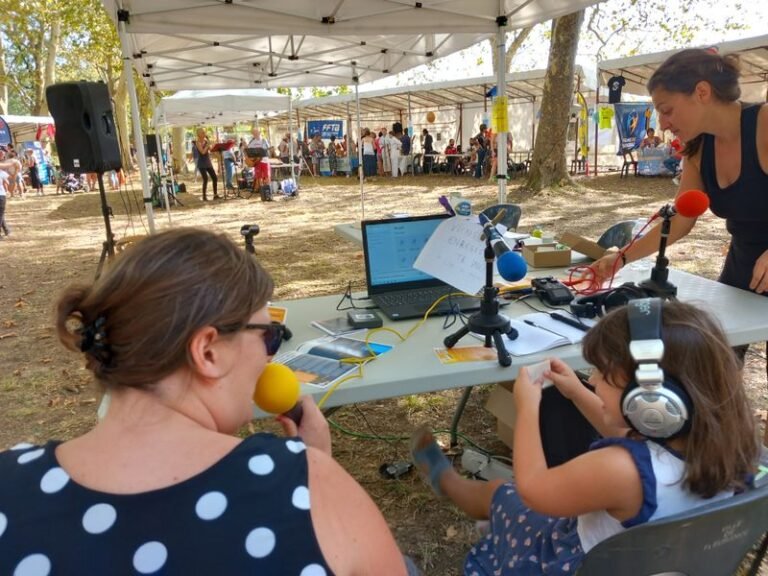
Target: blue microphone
x=510, y=264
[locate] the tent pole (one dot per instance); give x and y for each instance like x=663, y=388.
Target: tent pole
x=349, y=140
x=359, y=149
x=501, y=93
x=410, y=121
x=291, y=137
x=597, y=112
x=136, y=120
x=159, y=146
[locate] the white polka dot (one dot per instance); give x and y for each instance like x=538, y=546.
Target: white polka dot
x=211, y=505
x=295, y=446
x=300, y=498
x=99, y=518
x=29, y=456
x=261, y=465
x=150, y=557
x=260, y=542
x=54, y=480
x=33, y=565
x=3, y=523
x=22, y=446
x=313, y=570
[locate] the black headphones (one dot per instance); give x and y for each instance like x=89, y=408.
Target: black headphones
x=654, y=404
x=598, y=304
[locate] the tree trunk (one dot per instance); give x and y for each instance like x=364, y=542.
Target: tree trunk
x=3, y=83
x=37, y=54
x=121, y=118
x=52, y=50
x=548, y=163
x=179, y=153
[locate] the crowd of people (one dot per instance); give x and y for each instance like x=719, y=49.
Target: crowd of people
x=163, y=483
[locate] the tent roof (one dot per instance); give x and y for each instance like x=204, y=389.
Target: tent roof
x=24, y=128
x=521, y=86
x=637, y=70
x=220, y=106
x=183, y=44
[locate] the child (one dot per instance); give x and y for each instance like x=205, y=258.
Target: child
x=548, y=518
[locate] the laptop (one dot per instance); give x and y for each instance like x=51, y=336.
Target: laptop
x=390, y=247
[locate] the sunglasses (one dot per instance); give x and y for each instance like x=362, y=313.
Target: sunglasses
x=274, y=334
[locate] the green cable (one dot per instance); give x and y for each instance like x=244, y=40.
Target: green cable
x=362, y=436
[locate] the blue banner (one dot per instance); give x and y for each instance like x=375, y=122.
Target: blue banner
x=5, y=133
x=326, y=128
x=632, y=121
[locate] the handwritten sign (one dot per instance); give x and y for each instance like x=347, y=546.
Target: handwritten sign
x=454, y=254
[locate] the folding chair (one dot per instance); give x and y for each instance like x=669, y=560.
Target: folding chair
x=618, y=235
x=511, y=217
x=711, y=540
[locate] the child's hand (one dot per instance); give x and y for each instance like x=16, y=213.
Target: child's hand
x=564, y=377
x=526, y=392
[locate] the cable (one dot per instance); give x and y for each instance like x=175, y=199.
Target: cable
x=362, y=362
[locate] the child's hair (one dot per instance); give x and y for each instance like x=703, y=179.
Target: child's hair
x=134, y=324
x=682, y=71
x=721, y=447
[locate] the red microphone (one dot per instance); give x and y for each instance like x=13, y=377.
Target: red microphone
x=691, y=204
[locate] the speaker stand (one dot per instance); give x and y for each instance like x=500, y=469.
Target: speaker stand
x=108, y=246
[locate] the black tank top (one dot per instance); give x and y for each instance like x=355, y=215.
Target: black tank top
x=743, y=204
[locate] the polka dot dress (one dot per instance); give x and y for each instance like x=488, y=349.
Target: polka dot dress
x=247, y=514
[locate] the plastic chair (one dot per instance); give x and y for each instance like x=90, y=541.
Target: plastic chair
x=510, y=219
x=629, y=161
x=618, y=235
x=710, y=540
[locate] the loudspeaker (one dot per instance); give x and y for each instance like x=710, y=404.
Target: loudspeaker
x=397, y=128
x=86, y=138
x=150, y=145
x=654, y=404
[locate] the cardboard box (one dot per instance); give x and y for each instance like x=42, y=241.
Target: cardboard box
x=546, y=255
x=501, y=403
x=583, y=245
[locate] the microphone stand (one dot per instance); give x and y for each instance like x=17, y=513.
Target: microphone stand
x=658, y=284
x=488, y=321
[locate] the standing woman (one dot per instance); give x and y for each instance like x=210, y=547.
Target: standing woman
x=204, y=164
x=369, y=154
x=696, y=94
x=30, y=162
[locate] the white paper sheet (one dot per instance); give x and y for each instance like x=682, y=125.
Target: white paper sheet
x=454, y=254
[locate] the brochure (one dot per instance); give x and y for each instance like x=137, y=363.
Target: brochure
x=538, y=331
x=318, y=362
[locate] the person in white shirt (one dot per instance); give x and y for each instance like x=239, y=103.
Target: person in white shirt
x=395, y=146
x=259, y=142
x=4, y=178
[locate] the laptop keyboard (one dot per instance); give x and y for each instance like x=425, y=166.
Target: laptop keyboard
x=422, y=296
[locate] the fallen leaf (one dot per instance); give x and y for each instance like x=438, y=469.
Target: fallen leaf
x=451, y=532
x=8, y=335
x=9, y=324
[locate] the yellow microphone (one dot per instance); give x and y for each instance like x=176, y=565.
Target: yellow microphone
x=277, y=392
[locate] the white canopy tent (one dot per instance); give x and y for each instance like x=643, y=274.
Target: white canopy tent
x=753, y=58
x=188, y=107
x=637, y=70
x=192, y=44
x=24, y=128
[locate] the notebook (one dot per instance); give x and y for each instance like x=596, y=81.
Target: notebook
x=390, y=247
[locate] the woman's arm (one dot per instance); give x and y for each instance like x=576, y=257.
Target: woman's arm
x=649, y=244
x=202, y=147
x=353, y=535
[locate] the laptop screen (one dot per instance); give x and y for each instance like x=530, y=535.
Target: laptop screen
x=391, y=247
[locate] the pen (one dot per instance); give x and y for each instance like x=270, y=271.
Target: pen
x=569, y=321
x=531, y=323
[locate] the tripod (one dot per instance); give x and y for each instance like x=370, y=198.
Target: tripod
x=488, y=321
x=108, y=246
x=658, y=284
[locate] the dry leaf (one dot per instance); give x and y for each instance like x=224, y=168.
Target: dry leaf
x=9, y=324
x=8, y=335
x=451, y=532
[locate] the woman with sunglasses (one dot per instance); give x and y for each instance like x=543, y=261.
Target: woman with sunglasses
x=178, y=333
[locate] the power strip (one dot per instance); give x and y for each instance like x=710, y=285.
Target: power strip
x=481, y=466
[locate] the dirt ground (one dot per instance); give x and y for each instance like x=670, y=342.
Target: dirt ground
x=56, y=240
